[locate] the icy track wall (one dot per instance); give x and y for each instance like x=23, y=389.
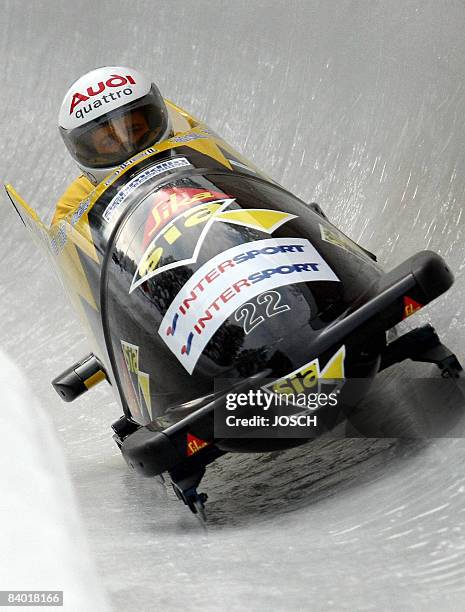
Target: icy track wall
x=44, y=544
x=359, y=106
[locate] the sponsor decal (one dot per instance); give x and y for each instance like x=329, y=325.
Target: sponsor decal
x=333, y=236
x=310, y=375
x=410, y=306
x=171, y=201
x=115, y=80
x=58, y=238
x=125, y=165
x=81, y=210
x=191, y=227
x=194, y=444
x=140, y=179
x=189, y=137
x=221, y=285
x=140, y=381
x=250, y=318
x=166, y=145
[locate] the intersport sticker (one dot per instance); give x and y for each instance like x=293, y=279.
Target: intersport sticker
x=228, y=280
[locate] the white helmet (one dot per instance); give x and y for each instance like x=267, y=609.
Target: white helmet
x=109, y=115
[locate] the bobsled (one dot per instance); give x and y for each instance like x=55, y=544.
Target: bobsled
x=196, y=277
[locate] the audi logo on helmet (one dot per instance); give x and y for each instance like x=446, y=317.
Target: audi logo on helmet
x=101, y=91
x=115, y=80
x=115, y=103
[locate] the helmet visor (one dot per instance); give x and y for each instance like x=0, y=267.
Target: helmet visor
x=113, y=138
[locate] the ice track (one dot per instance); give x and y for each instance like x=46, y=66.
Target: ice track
x=358, y=105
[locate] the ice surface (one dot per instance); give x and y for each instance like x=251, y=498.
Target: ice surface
x=358, y=105
x=44, y=544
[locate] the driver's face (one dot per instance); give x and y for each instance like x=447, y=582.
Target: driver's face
x=123, y=131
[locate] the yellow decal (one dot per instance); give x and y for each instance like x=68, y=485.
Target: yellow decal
x=257, y=218
x=144, y=385
x=208, y=146
x=131, y=356
x=265, y=220
x=140, y=380
x=310, y=375
x=94, y=379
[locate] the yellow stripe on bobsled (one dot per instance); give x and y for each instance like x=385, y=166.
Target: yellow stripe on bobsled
x=59, y=250
x=30, y=219
x=262, y=219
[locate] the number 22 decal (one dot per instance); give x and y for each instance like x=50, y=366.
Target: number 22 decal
x=248, y=311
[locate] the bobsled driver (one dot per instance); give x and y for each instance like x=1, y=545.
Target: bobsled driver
x=106, y=117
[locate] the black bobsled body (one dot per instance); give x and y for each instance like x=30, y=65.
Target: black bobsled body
x=198, y=276
x=270, y=339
